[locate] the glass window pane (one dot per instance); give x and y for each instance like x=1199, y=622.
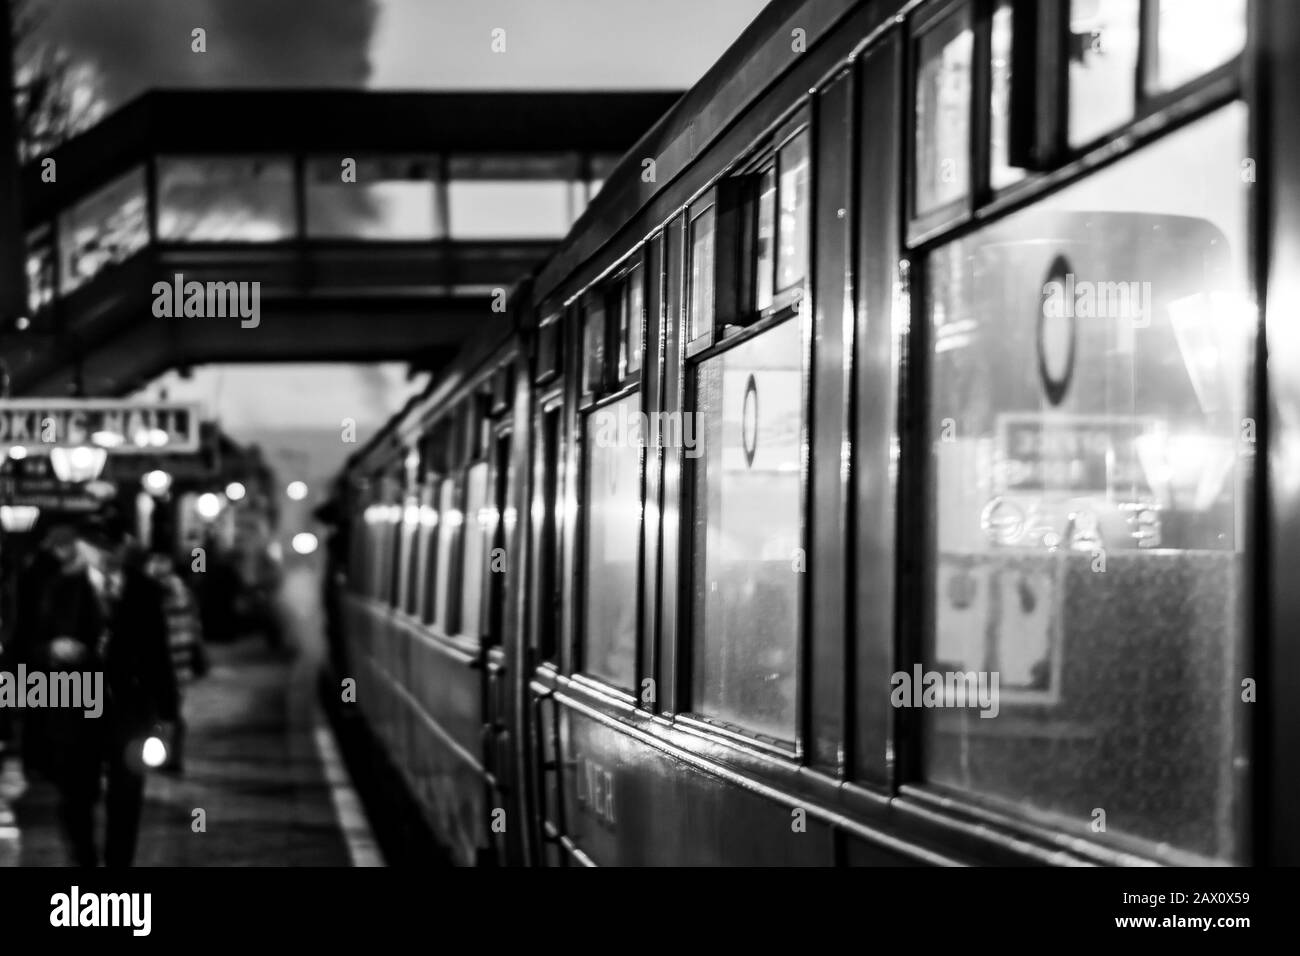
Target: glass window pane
x=209, y=199
x=746, y=529
x=943, y=91
x=792, y=252
x=450, y=520
x=107, y=227
x=593, y=343
x=702, y=265
x=613, y=536
x=392, y=198
x=479, y=523
x=1090, y=370
x=765, y=240
x=40, y=269
x=1103, y=66
x=633, y=320
x=508, y=209
x=1001, y=172
x=1194, y=37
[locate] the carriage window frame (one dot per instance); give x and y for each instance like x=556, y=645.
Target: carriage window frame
x=704, y=338
x=691, y=715
x=546, y=636
x=581, y=539
x=618, y=310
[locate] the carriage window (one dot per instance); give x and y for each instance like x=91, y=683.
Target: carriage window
x=593, y=344
x=548, y=599
x=1001, y=172
x=480, y=523
x=792, y=226
x=701, y=277
x=943, y=98
x=1091, y=448
x=1194, y=37
x=450, y=520
x=747, y=527
x=632, y=322
x=1103, y=56
x=613, y=534
x=429, y=552
x=765, y=239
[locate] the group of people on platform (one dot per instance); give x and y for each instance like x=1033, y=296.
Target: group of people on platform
x=101, y=603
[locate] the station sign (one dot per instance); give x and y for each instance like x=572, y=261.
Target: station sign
x=124, y=428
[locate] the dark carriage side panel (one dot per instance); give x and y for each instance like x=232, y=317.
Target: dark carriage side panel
x=635, y=805
x=832, y=345
x=875, y=400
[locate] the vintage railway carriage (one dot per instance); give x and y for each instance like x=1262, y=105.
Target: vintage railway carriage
x=895, y=465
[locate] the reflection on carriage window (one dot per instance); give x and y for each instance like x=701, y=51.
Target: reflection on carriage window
x=1195, y=36
x=747, y=529
x=1091, y=450
x=1103, y=55
x=612, y=542
x=213, y=199
x=104, y=229
x=943, y=91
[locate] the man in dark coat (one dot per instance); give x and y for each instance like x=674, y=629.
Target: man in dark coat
x=60, y=628
x=142, y=694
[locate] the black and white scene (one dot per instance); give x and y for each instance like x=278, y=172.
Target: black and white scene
x=560, y=433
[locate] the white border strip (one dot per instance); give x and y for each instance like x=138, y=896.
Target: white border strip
x=362, y=847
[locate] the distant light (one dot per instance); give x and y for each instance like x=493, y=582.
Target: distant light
x=157, y=437
x=235, y=491
x=157, y=482
x=304, y=542
x=18, y=452
x=82, y=463
x=296, y=490
x=108, y=439
x=23, y=323
x=18, y=518
x=208, y=505
x=154, y=752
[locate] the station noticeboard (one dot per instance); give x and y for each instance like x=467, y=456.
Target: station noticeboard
x=124, y=427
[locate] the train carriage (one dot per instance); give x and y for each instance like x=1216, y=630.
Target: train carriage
x=885, y=469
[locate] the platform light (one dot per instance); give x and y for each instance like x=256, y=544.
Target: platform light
x=304, y=542
x=296, y=490
x=82, y=463
x=208, y=506
x=157, y=482
x=154, y=752
x=18, y=518
x=235, y=491
x=18, y=452
x=108, y=438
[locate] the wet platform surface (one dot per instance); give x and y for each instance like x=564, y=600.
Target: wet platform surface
x=259, y=761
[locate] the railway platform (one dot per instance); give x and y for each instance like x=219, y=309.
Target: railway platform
x=260, y=761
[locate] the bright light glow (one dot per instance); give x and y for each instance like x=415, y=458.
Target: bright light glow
x=18, y=518
x=412, y=513
x=235, y=491
x=82, y=463
x=17, y=452
x=428, y=516
x=296, y=490
x=157, y=482
x=208, y=506
x=157, y=437
x=108, y=439
x=154, y=752
x=304, y=542
x=454, y=518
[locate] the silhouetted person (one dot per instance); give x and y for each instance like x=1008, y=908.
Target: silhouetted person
x=142, y=694
x=60, y=629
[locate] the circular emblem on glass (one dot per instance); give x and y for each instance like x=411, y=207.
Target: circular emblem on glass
x=749, y=421
x=1056, y=331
